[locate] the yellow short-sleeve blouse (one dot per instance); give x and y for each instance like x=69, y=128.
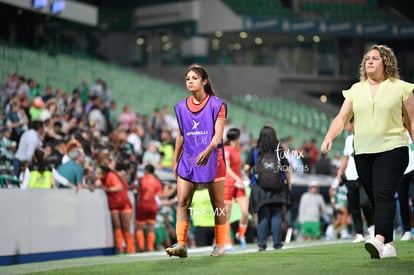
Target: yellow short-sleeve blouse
x=378, y=122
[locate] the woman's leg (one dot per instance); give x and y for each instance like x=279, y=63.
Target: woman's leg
x=150, y=236
x=403, y=189
x=388, y=169
x=118, y=236
x=244, y=219
x=227, y=238
x=216, y=192
x=126, y=218
x=185, y=191
x=276, y=223
x=354, y=206
x=262, y=226
x=139, y=235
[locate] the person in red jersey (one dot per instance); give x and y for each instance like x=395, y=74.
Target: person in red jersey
x=119, y=204
x=149, y=193
x=199, y=156
x=234, y=187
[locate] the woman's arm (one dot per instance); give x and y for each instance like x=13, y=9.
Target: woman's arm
x=179, y=141
x=337, y=125
x=217, y=139
x=408, y=112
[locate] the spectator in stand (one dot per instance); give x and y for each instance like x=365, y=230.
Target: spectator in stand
x=73, y=170
x=34, y=90
x=36, y=109
x=314, y=153
x=106, y=94
x=75, y=104
x=307, y=157
x=83, y=88
x=22, y=88
x=166, y=150
x=324, y=166
x=128, y=118
x=48, y=94
x=7, y=146
x=40, y=175
x=96, y=88
x=169, y=123
x=311, y=208
x=96, y=116
x=155, y=125
x=29, y=141
x=16, y=120
x=151, y=155
x=8, y=89
x=112, y=119
x=54, y=153
x=134, y=138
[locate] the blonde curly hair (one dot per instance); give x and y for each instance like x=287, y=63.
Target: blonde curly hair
x=388, y=59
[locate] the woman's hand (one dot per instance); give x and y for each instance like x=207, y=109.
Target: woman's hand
x=202, y=158
x=326, y=146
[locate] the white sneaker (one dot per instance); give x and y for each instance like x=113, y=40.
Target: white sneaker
x=371, y=231
x=389, y=251
x=359, y=238
x=345, y=234
x=330, y=232
x=407, y=236
x=375, y=248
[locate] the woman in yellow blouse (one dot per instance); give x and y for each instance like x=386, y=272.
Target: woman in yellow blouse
x=379, y=103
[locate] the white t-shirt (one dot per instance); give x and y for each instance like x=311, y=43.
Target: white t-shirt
x=350, y=171
x=410, y=166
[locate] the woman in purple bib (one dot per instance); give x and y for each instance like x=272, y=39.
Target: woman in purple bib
x=199, y=157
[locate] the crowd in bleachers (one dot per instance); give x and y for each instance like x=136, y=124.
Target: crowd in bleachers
x=54, y=139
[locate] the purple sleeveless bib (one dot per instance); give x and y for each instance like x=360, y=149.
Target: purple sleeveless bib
x=197, y=130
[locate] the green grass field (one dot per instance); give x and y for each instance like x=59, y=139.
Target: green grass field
x=318, y=258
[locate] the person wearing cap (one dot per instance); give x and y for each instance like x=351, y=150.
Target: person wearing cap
x=311, y=207
x=36, y=109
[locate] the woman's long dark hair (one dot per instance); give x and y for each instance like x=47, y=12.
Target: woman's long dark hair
x=39, y=161
x=268, y=141
x=202, y=72
x=232, y=134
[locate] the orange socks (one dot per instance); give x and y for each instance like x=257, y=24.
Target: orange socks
x=242, y=229
x=130, y=243
x=181, y=229
x=150, y=241
x=139, y=235
x=220, y=234
x=119, y=240
x=227, y=238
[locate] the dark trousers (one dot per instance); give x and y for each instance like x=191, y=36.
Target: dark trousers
x=270, y=214
x=356, y=202
x=403, y=198
x=204, y=235
x=380, y=174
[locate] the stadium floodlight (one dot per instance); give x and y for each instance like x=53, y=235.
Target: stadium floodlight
x=57, y=6
x=39, y=4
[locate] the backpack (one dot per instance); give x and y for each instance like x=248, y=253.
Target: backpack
x=268, y=171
